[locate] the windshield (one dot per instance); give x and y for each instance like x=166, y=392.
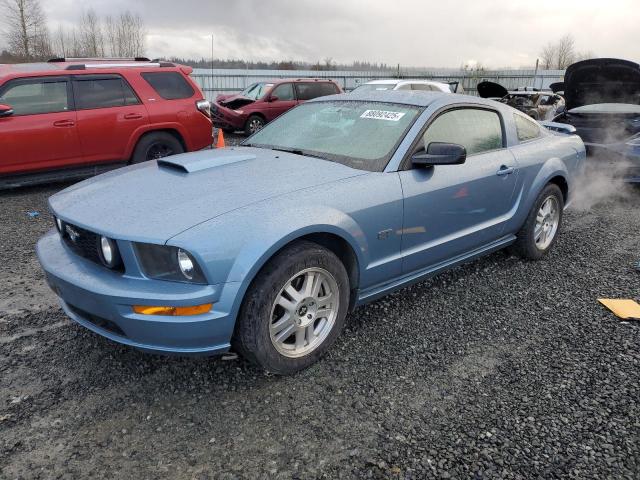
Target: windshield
x=256, y=91
x=372, y=87
x=361, y=135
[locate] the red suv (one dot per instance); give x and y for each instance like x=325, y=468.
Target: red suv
x=77, y=117
x=261, y=102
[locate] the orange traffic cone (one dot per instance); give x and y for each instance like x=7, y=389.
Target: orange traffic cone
x=220, y=142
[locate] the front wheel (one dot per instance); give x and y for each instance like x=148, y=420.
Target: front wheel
x=253, y=124
x=294, y=309
x=540, y=231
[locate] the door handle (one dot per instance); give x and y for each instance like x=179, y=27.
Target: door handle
x=504, y=170
x=64, y=123
x=132, y=116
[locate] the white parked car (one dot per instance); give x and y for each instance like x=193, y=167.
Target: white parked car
x=396, y=84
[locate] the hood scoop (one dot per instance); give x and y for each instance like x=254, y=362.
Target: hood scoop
x=203, y=160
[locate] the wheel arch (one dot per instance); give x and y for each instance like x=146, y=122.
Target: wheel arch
x=137, y=138
x=340, y=243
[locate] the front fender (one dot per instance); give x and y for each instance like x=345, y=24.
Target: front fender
x=226, y=254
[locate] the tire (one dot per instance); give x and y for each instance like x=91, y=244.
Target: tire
x=263, y=337
x=529, y=243
x=156, y=145
x=253, y=124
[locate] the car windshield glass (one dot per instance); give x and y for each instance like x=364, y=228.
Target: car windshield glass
x=256, y=91
x=372, y=87
x=361, y=135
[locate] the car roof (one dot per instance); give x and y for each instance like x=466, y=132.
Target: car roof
x=73, y=66
x=278, y=81
x=403, y=97
x=395, y=81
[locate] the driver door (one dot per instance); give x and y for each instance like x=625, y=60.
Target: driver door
x=281, y=99
x=450, y=210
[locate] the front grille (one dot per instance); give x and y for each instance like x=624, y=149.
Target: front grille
x=82, y=242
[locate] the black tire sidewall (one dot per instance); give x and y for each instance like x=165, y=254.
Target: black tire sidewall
x=149, y=140
x=247, y=129
x=526, y=244
x=252, y=337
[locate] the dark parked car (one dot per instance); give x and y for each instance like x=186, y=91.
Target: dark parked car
x=261, y=102
x=71, y=118
x=603, y=104
x=539, y=105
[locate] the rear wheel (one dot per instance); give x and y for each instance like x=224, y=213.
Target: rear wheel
x=294, y=310
x=253, y=124
x=540, y=231
x=156, y=145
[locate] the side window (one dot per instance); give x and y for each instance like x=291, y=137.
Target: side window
x=475, y=129
x=105, y=92
x=284, y=92
x=36, y=97
x=406, y=86
x=308, y=90
x=527, y=129
x=169, y=85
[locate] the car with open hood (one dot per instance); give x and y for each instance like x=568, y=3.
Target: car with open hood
x=603, y=104
x=261, y=102
x=265, y=247
x=539, y=105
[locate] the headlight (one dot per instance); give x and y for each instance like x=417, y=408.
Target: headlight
x=109, y=252
x=239, y=112
x=165, y=262
x=59, y=225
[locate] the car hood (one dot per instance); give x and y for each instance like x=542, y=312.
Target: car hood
x=488, y=89
x=233, y=101
x=154, y=201
x=602, y=80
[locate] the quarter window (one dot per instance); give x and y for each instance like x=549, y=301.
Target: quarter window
x=422, y=86
x=475, y=129
x=527, y=129
x=102, y=93
x=35, y=97
x=169, y=85
x=284, y=92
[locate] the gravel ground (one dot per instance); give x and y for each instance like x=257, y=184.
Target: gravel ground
x=498, y=369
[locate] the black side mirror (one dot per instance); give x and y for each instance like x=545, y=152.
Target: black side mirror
x=439, y=153
x=561, y=109
x=273, y=98
x=5, y=111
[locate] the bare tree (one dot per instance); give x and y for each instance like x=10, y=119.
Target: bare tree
x=561, y=53
x=26, y=29
x=91, y=38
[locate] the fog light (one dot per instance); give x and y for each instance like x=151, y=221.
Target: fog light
x=185, y=263
x=108, y=252
x=172, y=311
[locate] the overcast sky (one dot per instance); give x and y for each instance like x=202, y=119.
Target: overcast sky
x=442, y=33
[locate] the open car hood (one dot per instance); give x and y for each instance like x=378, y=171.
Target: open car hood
x=557, y=87
x=233, y=101
x=602, y=80
x=488, y=89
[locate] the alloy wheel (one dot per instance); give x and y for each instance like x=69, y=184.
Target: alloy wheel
x=547, y=221
x=304, y=312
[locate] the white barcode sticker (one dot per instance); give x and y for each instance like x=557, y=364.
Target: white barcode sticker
x=382, y=115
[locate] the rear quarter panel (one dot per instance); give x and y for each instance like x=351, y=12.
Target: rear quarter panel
x=541, y=160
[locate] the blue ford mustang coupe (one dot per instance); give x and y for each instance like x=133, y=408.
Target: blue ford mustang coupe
x=266, y=247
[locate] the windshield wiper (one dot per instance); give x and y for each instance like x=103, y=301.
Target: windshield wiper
x=297, y=151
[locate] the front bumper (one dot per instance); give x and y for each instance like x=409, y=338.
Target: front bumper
x=101, y=300
x=224, y=117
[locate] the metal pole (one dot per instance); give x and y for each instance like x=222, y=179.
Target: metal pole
x=535, y=75
x=212, y=65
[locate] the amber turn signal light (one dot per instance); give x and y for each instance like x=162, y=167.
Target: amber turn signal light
x=172, y=311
